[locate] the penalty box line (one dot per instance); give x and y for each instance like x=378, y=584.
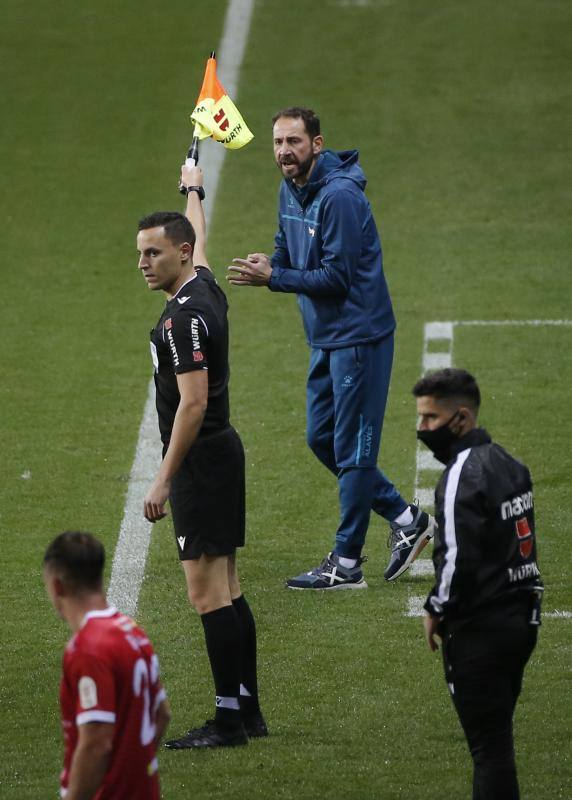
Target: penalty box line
x=128, y=568
x=441, y=357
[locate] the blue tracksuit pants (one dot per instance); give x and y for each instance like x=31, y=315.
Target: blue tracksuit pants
x=346, y=398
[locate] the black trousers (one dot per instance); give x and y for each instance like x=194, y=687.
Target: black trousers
x=484, y=664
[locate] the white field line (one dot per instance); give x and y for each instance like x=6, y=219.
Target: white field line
x=415, y=609
x=535, y=323
x=128, y=567
x=439, y=358
x=434, y=357
x=422, y=567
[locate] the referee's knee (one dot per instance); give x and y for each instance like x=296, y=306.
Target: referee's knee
x=209, y=599
x=198, y=598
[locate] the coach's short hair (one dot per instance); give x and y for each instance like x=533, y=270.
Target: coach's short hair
x=309, y=117
x=78, y=559
x=450, y=384
x=177, y=227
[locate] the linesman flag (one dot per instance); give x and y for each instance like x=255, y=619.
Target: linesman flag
x=216, y=115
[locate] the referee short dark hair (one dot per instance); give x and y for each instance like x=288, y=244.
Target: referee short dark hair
x=450, y=384
x=309, y=117
x=177, y=227
x=78, y=559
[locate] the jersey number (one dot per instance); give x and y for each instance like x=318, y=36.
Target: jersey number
x=142, y=681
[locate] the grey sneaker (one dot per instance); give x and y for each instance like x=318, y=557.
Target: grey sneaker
x=330, y=575
x=407, y=541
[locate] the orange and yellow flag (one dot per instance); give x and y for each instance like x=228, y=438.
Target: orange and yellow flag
x=216, y=115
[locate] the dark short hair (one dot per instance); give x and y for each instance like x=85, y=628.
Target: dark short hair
x=177, y=227
x=78, y=559
x=450, y=384
x=309, y=117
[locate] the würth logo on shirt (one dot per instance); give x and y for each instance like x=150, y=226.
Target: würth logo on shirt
x=195, y=333
x=525, y=537
x=172, y=346
x=197, y=354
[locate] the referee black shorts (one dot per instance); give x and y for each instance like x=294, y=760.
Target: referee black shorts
x=208, y=497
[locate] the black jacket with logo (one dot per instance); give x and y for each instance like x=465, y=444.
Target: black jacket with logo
x=485, y=548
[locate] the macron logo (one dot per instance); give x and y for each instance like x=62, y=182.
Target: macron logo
x=182, y=300
x=517, y=505
x=312, y=231
x=181, y=540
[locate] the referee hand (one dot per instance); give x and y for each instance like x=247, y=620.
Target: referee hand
x=154, y=503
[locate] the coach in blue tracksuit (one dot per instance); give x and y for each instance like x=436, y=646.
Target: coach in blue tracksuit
x=327, y=251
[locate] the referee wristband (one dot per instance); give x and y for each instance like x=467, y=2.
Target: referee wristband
x=198, y=189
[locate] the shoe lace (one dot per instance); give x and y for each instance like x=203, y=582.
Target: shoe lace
x=327, y=562
x=393, y=538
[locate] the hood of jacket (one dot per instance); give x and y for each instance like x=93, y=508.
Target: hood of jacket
x=329, y=165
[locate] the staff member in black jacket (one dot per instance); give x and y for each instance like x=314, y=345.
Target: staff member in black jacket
x=485, y=604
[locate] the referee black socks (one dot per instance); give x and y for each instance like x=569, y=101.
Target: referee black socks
x=248, y=676
x=223, y=639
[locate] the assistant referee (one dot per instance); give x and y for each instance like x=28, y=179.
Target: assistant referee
x=485, y=604
x=202, y=472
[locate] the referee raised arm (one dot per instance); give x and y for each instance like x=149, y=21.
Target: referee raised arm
x=202, y=472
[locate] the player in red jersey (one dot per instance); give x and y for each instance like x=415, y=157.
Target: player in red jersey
x=114, y=709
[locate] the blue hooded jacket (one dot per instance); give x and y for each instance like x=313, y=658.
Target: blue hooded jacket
x=327, y=250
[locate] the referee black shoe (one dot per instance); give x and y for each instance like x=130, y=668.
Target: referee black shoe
x=209, y=735
x=407, y=541
x=255, y=725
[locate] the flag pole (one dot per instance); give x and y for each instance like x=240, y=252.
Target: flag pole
x=192, y=158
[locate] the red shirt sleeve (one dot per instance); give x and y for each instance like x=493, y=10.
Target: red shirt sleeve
x=93, y=684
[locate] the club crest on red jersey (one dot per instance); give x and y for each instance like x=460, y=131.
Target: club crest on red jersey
x=525, y=537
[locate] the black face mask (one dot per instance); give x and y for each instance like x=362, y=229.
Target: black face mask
x=440, y=440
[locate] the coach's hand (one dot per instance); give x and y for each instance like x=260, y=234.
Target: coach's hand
x=255, y=270
x=154, y=503
x=430, y=625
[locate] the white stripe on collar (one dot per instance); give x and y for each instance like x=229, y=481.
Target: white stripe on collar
x=99, y=613
x=186, y=283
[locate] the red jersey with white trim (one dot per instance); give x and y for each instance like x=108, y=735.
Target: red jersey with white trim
x=111, y=674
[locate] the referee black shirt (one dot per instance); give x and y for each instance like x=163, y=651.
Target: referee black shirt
x=192, y=333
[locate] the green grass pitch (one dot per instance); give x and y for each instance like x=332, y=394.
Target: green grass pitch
x=461, y=112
